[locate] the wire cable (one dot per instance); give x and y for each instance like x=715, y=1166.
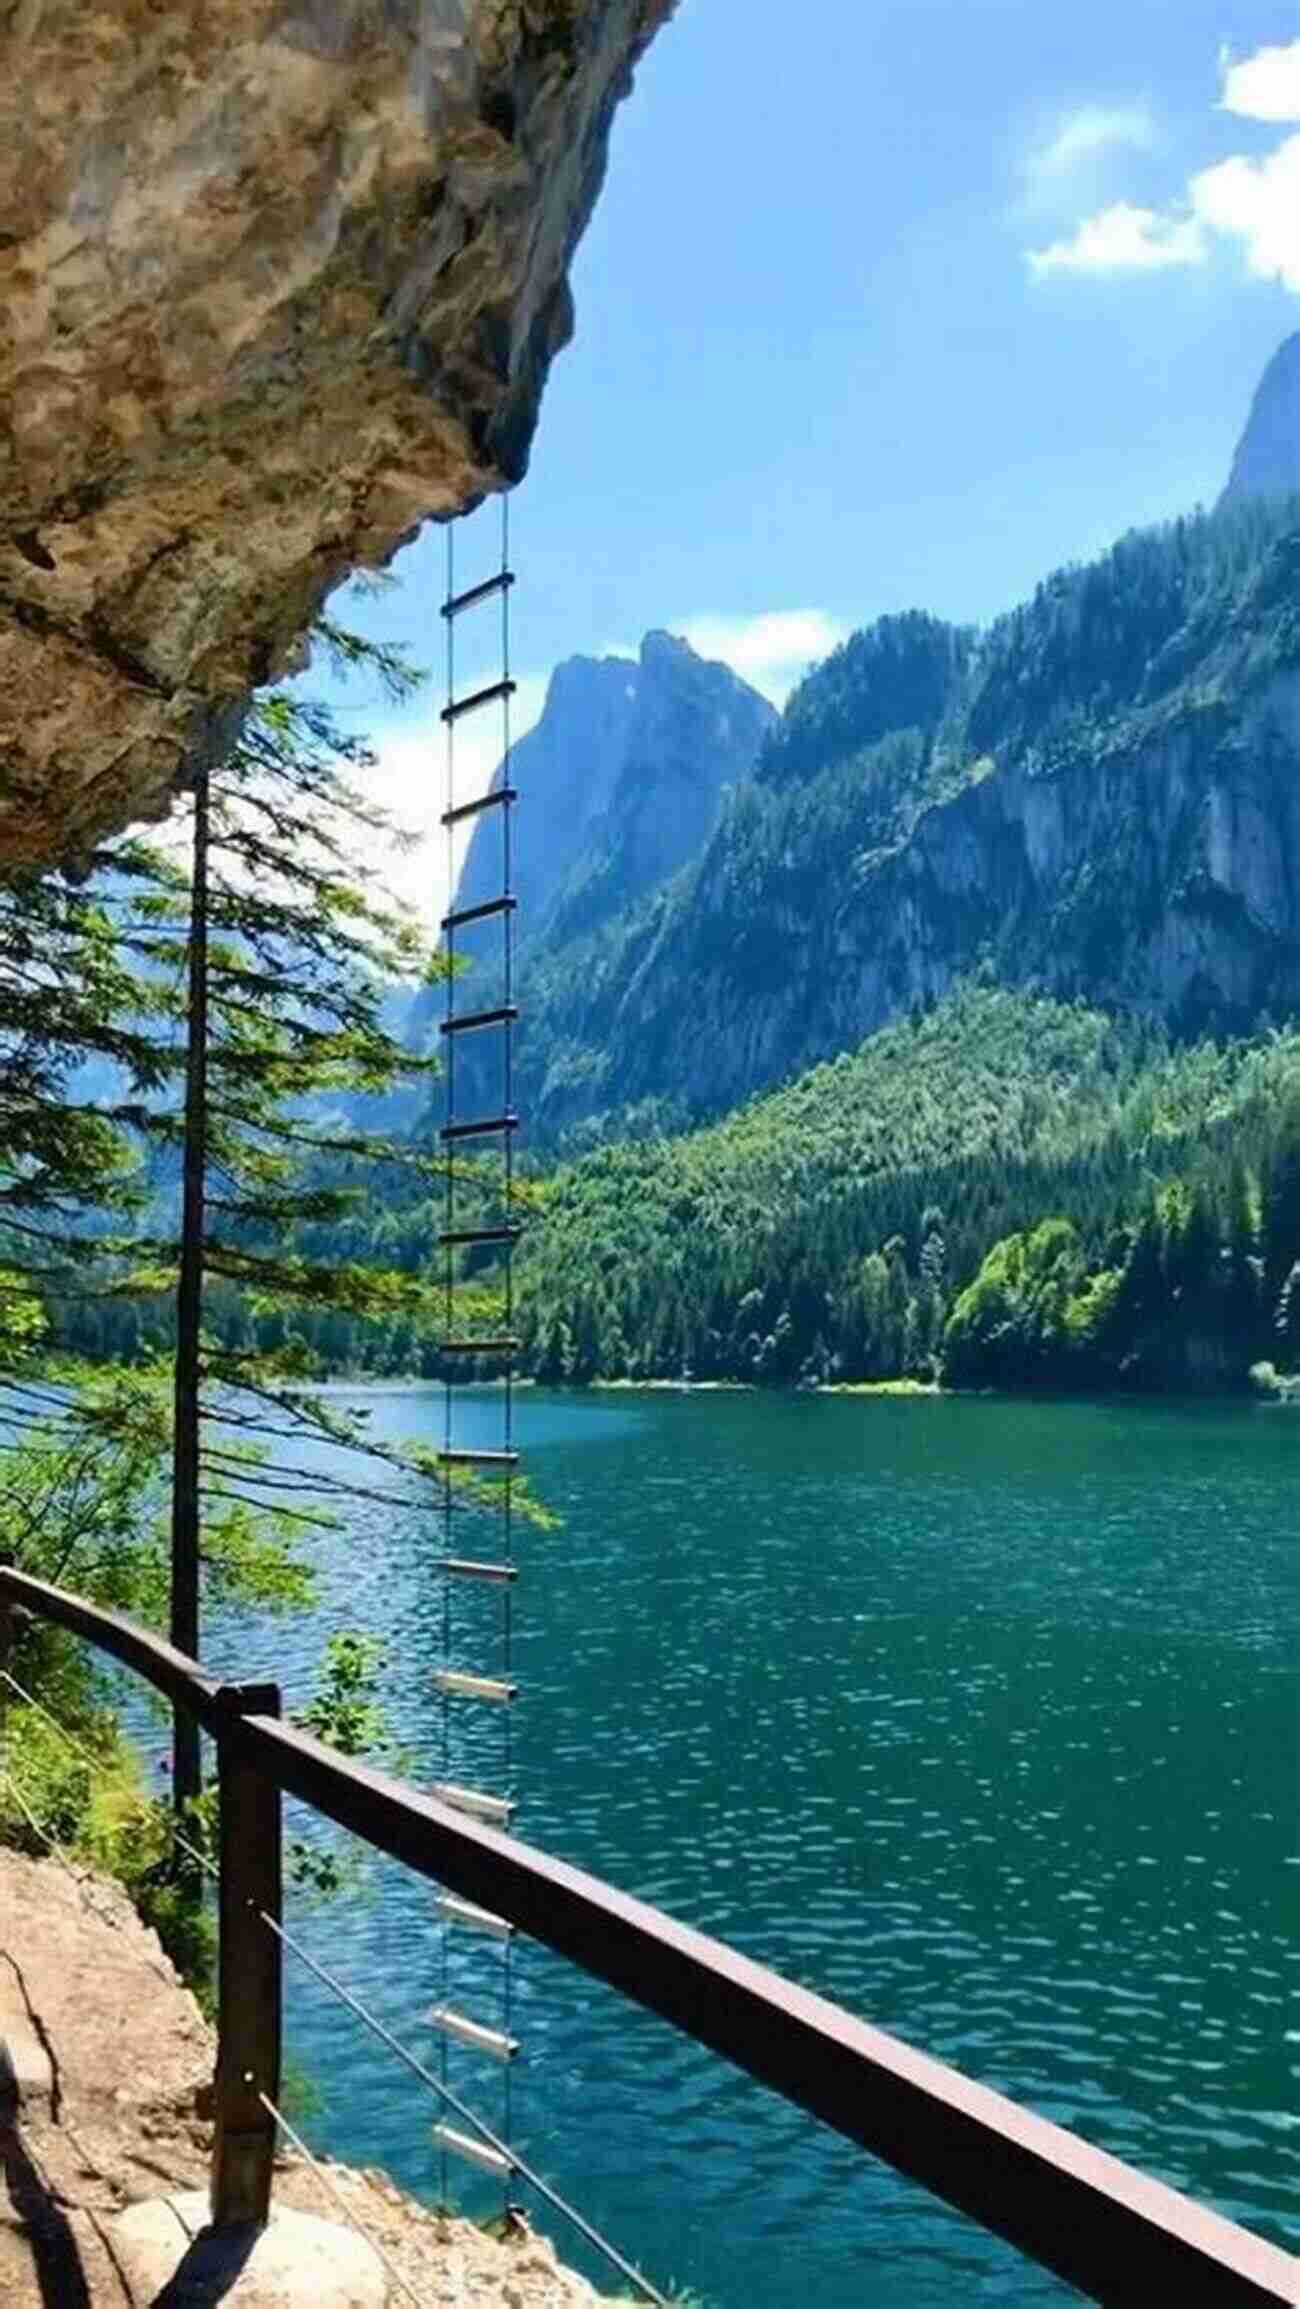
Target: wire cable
x=462, y=2109
x=337, y=2198
x=96, y=1764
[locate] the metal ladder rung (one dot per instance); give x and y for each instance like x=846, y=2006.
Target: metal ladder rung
x=486, y=1126
x=471, y=1458
x=472, y=1235
x=481, y=1127
x=471, y=2032
x=466, y=1567
x=454, y=1910
x=473, y=594
x=460, y=916
x=478, y=1346
x=475, y=2152
x=473, y=1801
x=498, y=798
x=470, y=1020
x=458, y=1684
x=479, y=697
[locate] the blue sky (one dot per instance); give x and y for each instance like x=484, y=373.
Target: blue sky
x=882, y=306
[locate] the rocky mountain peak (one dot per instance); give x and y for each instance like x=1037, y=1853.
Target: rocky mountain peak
x=1267, y=463
x=620, y=781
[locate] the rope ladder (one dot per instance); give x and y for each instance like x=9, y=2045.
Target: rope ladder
x=475, y=1676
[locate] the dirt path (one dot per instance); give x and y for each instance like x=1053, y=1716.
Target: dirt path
x=105, y=2062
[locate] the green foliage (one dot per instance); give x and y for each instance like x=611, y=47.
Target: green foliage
x=288, y=1017
x=1005, y=1188
x=345, y=1712
x=903, y=673
x=860, y=862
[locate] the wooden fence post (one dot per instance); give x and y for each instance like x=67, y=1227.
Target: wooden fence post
x=249, y=1991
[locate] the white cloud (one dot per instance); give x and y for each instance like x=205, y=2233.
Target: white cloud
x=1124, y=239
x=1265, y=86
x=1248, y=200
x=773, y=650
x=1093, y=129
x=409, y=782
x=1257, y=202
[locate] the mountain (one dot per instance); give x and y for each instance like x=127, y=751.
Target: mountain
x=1267, y=463
x=619, y=783
x=1010, y=1188
x=1100, y=796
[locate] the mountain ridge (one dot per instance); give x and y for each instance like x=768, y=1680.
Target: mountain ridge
x=1103, y=801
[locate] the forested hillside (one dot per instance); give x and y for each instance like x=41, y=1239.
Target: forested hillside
x=1007, y=1189
x=1097, y=797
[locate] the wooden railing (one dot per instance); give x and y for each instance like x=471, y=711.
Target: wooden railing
x=1116, y=2235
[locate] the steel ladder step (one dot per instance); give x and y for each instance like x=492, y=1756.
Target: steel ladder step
x=474, y=594
x=453, y=1910
x=459, y=707
x=467, y=1567
x=470, y=1021
x=474, y=2152
x=459, y=1684
x=469, y=1457
x=499, y=798
x=463, y=915
x=471, y=2032
x=475, y=1802
x=467, y=1236
x=485, y=1126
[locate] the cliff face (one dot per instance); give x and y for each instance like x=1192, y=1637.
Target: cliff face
x=1106, y=804
x=280, y=278
x=1165, y=879
x=620, y=782
x=1267, y=463
x=565, y=770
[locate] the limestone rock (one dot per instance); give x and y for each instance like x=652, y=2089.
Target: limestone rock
x=281, y=278
x=623, y=775
x=167, y=2251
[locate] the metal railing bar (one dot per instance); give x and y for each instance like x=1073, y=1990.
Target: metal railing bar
x=1117, y=2235
x=462, y=2109
x=168, y=1670
x=339, y=2201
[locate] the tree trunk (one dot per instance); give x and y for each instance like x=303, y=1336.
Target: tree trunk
x=186, y=1764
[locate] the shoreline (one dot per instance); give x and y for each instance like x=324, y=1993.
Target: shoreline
x=1286, y=1393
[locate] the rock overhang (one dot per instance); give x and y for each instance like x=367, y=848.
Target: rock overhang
x=281, y=280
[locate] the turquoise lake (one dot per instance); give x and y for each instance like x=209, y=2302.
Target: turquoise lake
x=978, y=1716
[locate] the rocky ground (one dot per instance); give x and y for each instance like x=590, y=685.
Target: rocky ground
x=105, y=2060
